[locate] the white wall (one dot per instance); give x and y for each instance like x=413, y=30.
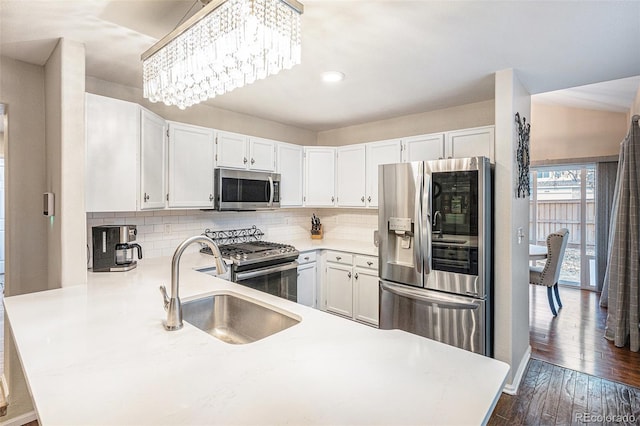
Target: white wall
x=460, y=117
x=22, y=90
x=206, y=116
x=65, y=148
x=160, y=232
x=559, y=132
x=511, y=272
x=635, y=108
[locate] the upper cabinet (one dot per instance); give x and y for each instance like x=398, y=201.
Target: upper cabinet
x=153, y=161
x=350, y=176
x=319, y=176
x=112, y=145
x=423, y=147
x=475, y=142
x=289, y=161
x=190, y=166
x=244, y=152
x=377, y=153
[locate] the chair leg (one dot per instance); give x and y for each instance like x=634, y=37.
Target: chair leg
x=555, y=289
x=551, y=304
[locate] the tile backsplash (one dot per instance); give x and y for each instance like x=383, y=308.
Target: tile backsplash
x=160, y=232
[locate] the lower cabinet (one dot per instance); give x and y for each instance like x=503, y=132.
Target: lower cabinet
x=307, y=278
x=351, y=286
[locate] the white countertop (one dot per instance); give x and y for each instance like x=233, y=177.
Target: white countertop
x=98, y=354
x=357, y=247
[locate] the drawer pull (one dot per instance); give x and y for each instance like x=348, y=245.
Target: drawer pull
x=338, y=258
x=306, y=258
x=370, y=263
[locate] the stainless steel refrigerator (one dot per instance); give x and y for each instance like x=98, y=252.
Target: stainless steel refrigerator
x=434, y=223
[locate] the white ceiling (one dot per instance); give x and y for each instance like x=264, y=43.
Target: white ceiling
x=399, y=57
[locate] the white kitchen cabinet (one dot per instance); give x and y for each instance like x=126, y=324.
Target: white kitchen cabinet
x=289, y=163
x=190, y=166
x=307, y=278
x=365, y=295
x=153, y=160
x=339, y=289
x=112, y=141
x=319, y=176
x=238, y=151
x=232, y=150
x=351, y=286
x=350, y=176
x=377, y=153
x=423, y=147
x=474, y=142
x=262, y=154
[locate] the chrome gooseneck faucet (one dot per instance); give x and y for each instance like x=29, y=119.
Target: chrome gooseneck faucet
x=172, y=304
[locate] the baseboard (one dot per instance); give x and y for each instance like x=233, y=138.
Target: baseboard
x=21, y=419
x=512, y=388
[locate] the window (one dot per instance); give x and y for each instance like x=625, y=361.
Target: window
x=564, y=197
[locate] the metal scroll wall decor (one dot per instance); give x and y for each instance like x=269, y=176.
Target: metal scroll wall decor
x=524, y=129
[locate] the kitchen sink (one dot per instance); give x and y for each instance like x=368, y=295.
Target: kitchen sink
x=235, y=319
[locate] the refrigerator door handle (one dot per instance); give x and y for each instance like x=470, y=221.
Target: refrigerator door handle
x=425, y=202
x=418, y=233
x=441, y=300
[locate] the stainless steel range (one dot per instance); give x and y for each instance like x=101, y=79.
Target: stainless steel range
x=262, y=265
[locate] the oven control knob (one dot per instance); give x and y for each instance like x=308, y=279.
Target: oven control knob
x=238, y=256
x=244, y=256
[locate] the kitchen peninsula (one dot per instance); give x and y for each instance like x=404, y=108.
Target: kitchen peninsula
x=98, y=354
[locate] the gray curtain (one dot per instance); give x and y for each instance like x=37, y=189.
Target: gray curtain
x=622, y=279
x=606, y=172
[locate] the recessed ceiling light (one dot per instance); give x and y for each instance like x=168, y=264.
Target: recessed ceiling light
x=332, y=76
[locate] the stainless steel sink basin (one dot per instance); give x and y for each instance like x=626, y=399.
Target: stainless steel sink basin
x=234, y=319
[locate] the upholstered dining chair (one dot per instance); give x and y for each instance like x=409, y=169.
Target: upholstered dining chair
x=549, y=274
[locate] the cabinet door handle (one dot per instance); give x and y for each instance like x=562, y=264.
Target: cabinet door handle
x=210, y=197
x=362, y=199
x=369, y=199
x=338, y=258
x=253, y=161
x=356, y=275
x=146, y=197
x=349, y=274
x=369, y=263
x=333, y=199
x=244, y=160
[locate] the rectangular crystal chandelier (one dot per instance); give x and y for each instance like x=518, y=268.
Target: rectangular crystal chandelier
x=227, y=44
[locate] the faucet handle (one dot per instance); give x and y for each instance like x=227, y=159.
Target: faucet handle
x=163, y=290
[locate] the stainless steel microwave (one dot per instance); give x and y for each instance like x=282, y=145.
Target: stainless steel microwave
x=246, y=190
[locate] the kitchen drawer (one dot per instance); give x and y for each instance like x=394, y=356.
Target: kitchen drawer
x=340, y=257
x=307, y=257
x=370, y=262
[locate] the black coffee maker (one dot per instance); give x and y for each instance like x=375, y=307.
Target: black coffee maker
x=112, y=248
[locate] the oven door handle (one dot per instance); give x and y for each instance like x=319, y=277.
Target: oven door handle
x=240, y=276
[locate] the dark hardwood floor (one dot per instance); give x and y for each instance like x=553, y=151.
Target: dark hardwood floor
x=574, y=339
x=575, y=375
x=553, y=395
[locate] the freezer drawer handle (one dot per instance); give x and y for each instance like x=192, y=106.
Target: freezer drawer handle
x=441, y=300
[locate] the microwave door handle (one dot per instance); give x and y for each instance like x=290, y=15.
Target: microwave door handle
x=271, y=189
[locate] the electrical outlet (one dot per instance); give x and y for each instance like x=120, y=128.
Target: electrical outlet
x=167, y=228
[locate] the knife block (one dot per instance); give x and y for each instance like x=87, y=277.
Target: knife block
x=317, y=234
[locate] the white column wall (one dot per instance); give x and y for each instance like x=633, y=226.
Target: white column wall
x=511, y=272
